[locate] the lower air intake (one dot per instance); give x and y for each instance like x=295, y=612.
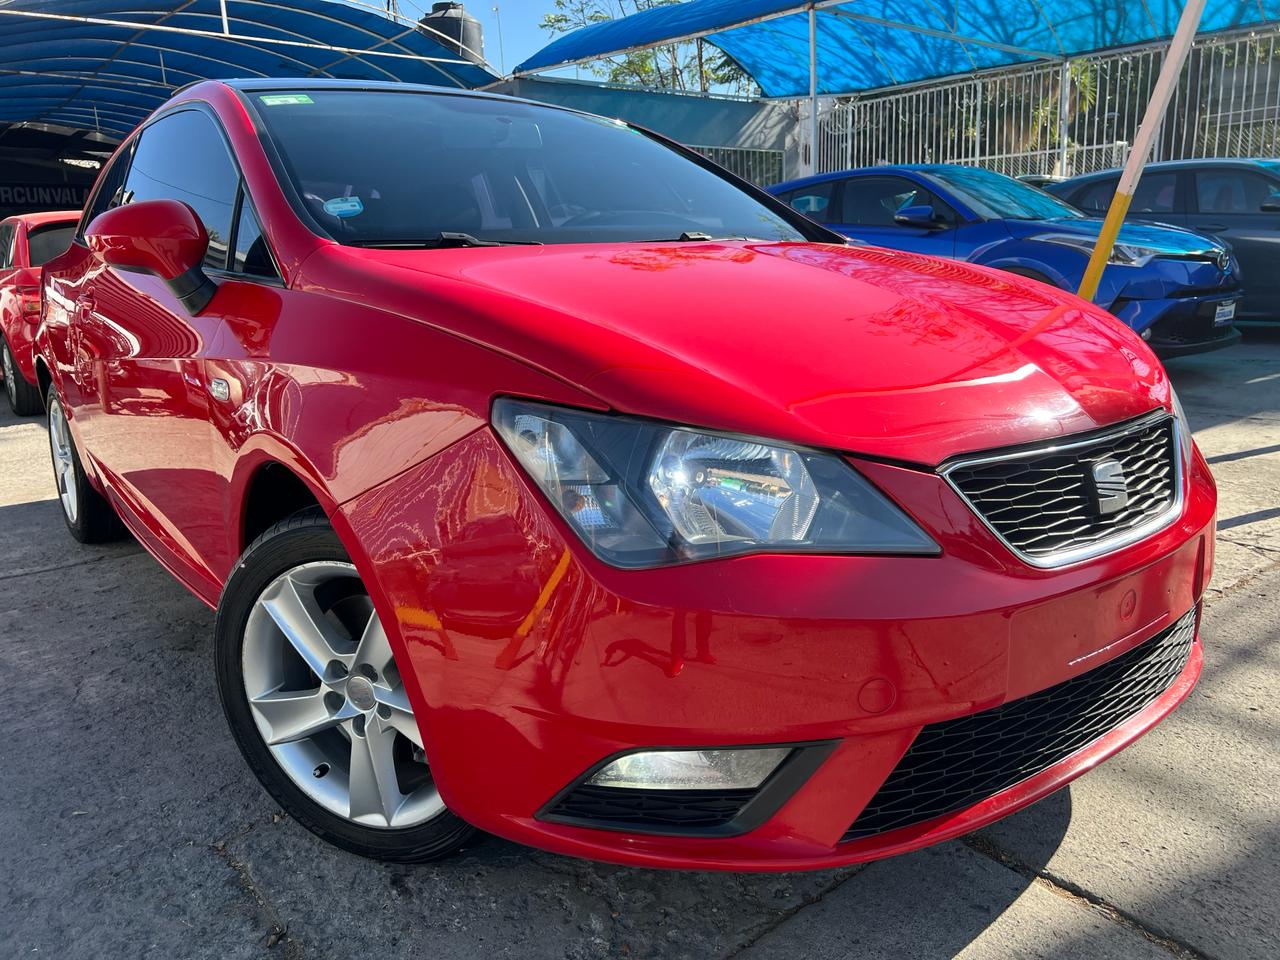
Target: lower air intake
x=957, y=763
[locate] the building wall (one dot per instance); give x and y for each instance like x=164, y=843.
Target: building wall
x=31, y=187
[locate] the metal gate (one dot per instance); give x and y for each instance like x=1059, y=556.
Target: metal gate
x=761, y=167
x=1069, y=117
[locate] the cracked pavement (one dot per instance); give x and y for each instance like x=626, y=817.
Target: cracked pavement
x=132, y=828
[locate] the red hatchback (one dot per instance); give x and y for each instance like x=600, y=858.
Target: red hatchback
x=26, y=242
x=551, y=481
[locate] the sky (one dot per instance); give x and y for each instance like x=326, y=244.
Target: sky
x=520, y=34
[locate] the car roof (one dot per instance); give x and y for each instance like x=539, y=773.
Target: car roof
x=243, y=85
x=268, y=84
x=1202, y=164
x=44, y=217
x=884, y=168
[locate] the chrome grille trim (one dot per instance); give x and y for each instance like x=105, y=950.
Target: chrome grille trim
x=1105, y=544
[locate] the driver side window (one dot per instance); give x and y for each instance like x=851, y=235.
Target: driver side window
x=182, y=156
x=875, y=201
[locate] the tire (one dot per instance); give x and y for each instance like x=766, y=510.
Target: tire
x=24, y=399
x=86, y=512
x=313, y=697
x=1032, y=275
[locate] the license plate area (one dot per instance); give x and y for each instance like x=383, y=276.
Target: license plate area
x=1075, y=633
x=1224, y=313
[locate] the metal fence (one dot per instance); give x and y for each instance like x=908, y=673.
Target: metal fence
x=1069, y=117
x=761, y=167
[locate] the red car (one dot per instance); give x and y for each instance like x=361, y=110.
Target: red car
x=549, y=480
x=26, y=242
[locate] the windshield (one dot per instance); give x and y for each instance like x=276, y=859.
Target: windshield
x=45, y=243
x=994, y=196
x=388, y=168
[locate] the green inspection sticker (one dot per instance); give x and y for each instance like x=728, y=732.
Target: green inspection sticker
x=284, y=99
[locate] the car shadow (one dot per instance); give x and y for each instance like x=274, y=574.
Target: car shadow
x=87, y=637
x=1232, y=384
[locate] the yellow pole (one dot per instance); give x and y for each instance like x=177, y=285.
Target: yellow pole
x=1170, y=70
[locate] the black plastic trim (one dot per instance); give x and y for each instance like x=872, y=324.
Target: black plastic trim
x=193, y=289
x=788, y=777
x=954, y=764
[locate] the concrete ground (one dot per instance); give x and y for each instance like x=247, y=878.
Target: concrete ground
x=129, y=827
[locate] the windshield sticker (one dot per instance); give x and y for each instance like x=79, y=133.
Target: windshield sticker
x=284, y=99
x=344, y=207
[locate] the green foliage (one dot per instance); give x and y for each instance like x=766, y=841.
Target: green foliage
x=691, y=65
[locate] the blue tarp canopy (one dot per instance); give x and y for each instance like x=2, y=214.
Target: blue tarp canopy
x=105, y=64
x=871, y=44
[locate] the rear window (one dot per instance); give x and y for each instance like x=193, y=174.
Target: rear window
x=814, y=201
x=495, y=170
x=45, y=243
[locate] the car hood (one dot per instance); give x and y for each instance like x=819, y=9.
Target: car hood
x=1169, y=241
x=859, y=349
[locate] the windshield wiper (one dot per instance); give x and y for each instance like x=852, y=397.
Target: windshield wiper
x=447, y=239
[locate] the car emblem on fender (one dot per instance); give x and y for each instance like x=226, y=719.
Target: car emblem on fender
x=1110, y=487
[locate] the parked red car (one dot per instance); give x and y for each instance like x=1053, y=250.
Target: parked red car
x=26, y=242
x=551, y=481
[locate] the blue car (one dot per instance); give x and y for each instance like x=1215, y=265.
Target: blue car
x=1177, y=289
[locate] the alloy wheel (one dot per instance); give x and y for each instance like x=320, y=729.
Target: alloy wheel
x=64, y=465
x=328, y=701
x=10, y=376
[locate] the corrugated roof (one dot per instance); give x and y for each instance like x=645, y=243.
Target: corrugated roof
x=106, y=64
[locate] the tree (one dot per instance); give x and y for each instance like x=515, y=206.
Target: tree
x=691, y=65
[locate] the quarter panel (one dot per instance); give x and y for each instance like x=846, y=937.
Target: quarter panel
x=345, y=395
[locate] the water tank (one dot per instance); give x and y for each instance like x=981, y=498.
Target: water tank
x=462, y=33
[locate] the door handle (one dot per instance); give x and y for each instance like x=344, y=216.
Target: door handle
x=1212, y=227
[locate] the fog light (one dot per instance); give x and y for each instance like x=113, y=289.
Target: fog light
x=737, y=769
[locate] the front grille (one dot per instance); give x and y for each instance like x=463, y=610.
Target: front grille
x=1045, y=505
x=957, y=763
x=651, y=810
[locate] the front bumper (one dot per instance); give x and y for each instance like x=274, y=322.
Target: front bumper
x=1173, y=302
x=530, y=662
x=1177, y=327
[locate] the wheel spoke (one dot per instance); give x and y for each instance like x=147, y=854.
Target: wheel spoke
x=63, y=462
x=374, y=791
x=295, y=612
x=297, y=715
x=373, y=649
x=401, y=718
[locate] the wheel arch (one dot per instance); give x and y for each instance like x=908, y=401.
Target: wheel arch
x=270, y=481
x=44, y=378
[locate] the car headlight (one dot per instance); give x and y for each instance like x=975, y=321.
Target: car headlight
x=644, y=494
x=1123, y=254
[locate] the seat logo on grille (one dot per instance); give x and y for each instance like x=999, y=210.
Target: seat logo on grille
x=1110, y=488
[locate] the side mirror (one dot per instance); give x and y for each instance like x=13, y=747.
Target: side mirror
x=921, y=215
x=1271, y=204
x=161, y=237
